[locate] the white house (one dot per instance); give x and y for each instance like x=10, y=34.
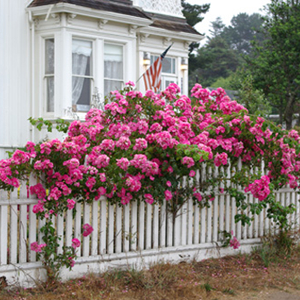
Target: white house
x=54, y=53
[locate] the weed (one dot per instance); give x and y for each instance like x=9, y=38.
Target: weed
x=208, y=287
x=229, y=291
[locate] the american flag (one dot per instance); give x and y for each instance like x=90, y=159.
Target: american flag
x=152, y=77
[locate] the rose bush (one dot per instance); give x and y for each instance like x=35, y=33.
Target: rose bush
x=142, y=146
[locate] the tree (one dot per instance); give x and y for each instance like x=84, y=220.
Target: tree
x=214, y=60
x=250, y=97
x=217, y=27
x=244, y=28
x=275, y=65
x=193, y=15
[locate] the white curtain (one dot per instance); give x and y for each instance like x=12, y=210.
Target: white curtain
x=81, y=52
x=49, y=70
x=113, y=68
x=50, y=94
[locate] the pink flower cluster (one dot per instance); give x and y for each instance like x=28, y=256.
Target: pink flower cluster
x=88, y=229
x=234, y=243
x=36, y=247
x=259, y=188
x=221, y=159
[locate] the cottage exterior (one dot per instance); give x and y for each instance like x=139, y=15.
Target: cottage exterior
x=55, y=53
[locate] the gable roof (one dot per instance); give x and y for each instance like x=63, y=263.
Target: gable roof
x=172, y=23
x=116, y=6
x=125, y=7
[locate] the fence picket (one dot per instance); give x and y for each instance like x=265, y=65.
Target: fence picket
x=190, y=221
x=215, y=203
x=23, y=234
x=203, y=224
x=60, y=233
x=103, y=225
x=126, y=235
x=13, y=249
x=184, y=224
x=169, y=229
x=239, y=224
x=196, y=224
x=148, y=226
x=133, y=231
x=221, y=204
x=77, y=229
x=255, y=221
x=293, y=216
x=3, y=234
x=69, y=227
x=119, y=219
x=141, y=229
x=177, y=229
x=208, y=234
x=111, y=238
x=155, y=227
x=95, y=212
x=245, y=228
x=162, y=225
x=86, y=220
x=228, y=202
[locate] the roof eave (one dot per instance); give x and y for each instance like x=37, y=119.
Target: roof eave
x=89, y=12
x=188, y=37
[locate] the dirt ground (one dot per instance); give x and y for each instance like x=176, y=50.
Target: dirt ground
x=266, y=274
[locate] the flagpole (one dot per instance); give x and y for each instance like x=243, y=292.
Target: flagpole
x=162, y=57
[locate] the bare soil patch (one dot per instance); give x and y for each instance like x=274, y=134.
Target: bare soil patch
x=260, y=275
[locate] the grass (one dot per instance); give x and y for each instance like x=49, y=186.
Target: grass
x=232, y=277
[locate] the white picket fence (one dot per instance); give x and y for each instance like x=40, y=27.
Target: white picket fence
x=134, y=235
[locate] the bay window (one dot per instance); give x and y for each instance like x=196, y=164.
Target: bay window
x=49, y=74
x=113, y=68
x=82, y=74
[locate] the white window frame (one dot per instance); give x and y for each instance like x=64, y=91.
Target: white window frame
x=109, y=42
x=45, y=76
x=81, y=114
x=155, y=56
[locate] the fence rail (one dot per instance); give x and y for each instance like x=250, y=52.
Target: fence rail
x=124, y=234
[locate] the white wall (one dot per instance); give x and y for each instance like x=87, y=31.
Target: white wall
x=14, y=74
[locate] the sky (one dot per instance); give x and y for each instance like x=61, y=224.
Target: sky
x=226, y=9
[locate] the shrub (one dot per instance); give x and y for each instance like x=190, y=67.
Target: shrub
x=141, y=147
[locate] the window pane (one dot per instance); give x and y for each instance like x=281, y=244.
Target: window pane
x=50, y=93
x=81, y=57
x=81, y=93
x=167, y=65
x=111, y=85
x=153, y=59
x=113, y=61
x=49, y=56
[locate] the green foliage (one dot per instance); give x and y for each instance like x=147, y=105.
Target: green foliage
x=53, y=261
x=225, y=50
x=253, y=99
x=216, y=59
x=224, y=82
x=61, y=124
x=275, y=62
x=244, y=28
x=193, y=15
